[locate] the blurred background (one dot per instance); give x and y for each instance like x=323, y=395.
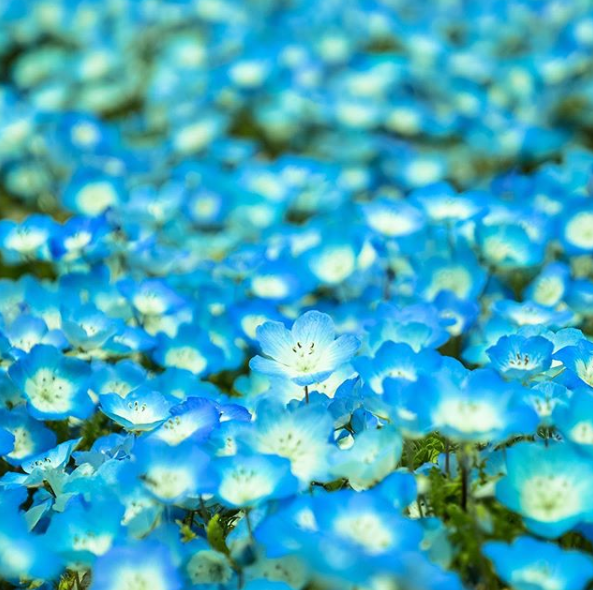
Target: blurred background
x=327, y=98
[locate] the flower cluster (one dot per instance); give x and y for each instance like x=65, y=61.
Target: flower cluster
x=296, y=295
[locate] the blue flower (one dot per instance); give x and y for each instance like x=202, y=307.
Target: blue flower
x=92, y=192
x=174, y=474
x=372, y=457
x=550, y=487
x=194, y=420
x=574, y=419
x=88, y=328
x=55, y=386
x=31, y=437
x=529, y=564
x=359, y=535
x=578, y=359
x=190, y=349
x=306, y=354
x=25, y=555
x=575, y=233
x=249, y=480
x=395, y=361
x=301, y=435
x=27, y=240
x=142, y=409
x=84, y=531
x=144, y=564
x=520, y=357
x=26, y=331
x=481, y=408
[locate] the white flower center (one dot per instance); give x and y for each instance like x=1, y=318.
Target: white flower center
x=209, y=567
x=366, y=530
x=582, y=433
x=243, y=485
x=468, y=415
x=168, y=482
x=550, y=498
x=49, y=392
x=186, y=357
x=579, y=230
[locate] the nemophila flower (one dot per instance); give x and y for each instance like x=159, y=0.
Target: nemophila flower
x=359, y=535
x=52, y=459
x=251, y=314
x=80, y=239
x=142, y=409
x=283, y=279
x=334, y=260
x=418, y=325
x=374, y=454
x=31, y=437
x=520, y=357
x=174, y=474
x=442, y=204
x=548, y=486
x=393, y=218
x=508, y=246
x=249, y=480
x=460, y=275
x=151, y=297
x=6, y=442
x=194, y=419
x=26, y=331
x=576, y=234
x=399, y=489
x=121, y=378
x=27, y=240
x=395, y=361
x=306, y=354
x=141, y=565
x=190, y=349
x=574, y=419
x=206, y=566
x=301, y=435
x=459, y=314
x=578, y=359
x=528, y=313
x=87, y=328
x=92, y=192
x=529, y=564
x=55, y=386
x=482, y=407
x=547, y=398
x=84, y=531
x=25, y=555
x=550, y=286
x=128, y=340
x=111, y=446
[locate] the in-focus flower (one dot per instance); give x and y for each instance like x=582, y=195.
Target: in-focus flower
x=308, y=353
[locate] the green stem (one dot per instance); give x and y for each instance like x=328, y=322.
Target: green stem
x=249, y=526
x=306, y=394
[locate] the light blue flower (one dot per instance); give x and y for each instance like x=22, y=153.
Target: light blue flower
x=308, y=353
x=142, y=565
x=249, y=480
x=549, y=486
x=55, y=386
x=519, y=357
x=529, y=564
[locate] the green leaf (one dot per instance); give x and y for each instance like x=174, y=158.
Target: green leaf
x=215, y=535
